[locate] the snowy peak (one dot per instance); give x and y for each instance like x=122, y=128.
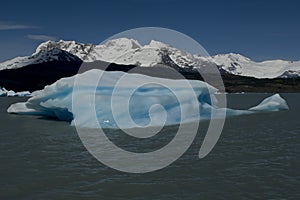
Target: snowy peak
x=158, y=44
x=113, y=50
x=123, y=43
x=240, y=65
x=90, y=52
x=54, y=54
x=131, y=52
x=230, y=57
x=78, y=49
x=230, y=62
x=41, y=56
x=63, y=45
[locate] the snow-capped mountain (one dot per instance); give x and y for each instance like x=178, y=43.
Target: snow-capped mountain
x=41, y=68
x=41, y=56
x=108, y=51
x=124, y=51
x=78, y=49
x=121, y=51
x=240, y=65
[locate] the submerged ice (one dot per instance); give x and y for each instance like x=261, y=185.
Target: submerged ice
x=120, y=100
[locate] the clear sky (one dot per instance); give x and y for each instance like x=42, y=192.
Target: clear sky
x=259, y=29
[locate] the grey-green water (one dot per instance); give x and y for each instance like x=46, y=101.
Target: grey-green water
x=257, y=157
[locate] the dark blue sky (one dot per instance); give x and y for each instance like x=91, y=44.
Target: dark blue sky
x=258, y=29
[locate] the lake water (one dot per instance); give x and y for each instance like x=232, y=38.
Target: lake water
x=257, y=157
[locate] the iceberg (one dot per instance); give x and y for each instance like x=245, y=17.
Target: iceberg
x=273, y=103
x=10, y=93
x=104, y=99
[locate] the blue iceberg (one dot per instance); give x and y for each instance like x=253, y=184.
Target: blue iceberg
x=103, y=99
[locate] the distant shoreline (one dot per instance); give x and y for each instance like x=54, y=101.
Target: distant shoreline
x=37, y=76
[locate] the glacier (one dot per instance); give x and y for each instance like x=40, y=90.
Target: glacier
x=104, y=99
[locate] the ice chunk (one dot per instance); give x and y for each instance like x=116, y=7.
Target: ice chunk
x=273, y=103
x=118, y=102
x=21, y=108
x=11, y=93
x=2, y=92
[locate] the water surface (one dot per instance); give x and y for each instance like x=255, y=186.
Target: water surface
x=257, y=157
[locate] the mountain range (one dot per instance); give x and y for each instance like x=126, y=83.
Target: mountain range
x=63, y=58
x=126, y=51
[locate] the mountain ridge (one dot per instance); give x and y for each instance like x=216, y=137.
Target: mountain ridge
x=125, y=51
